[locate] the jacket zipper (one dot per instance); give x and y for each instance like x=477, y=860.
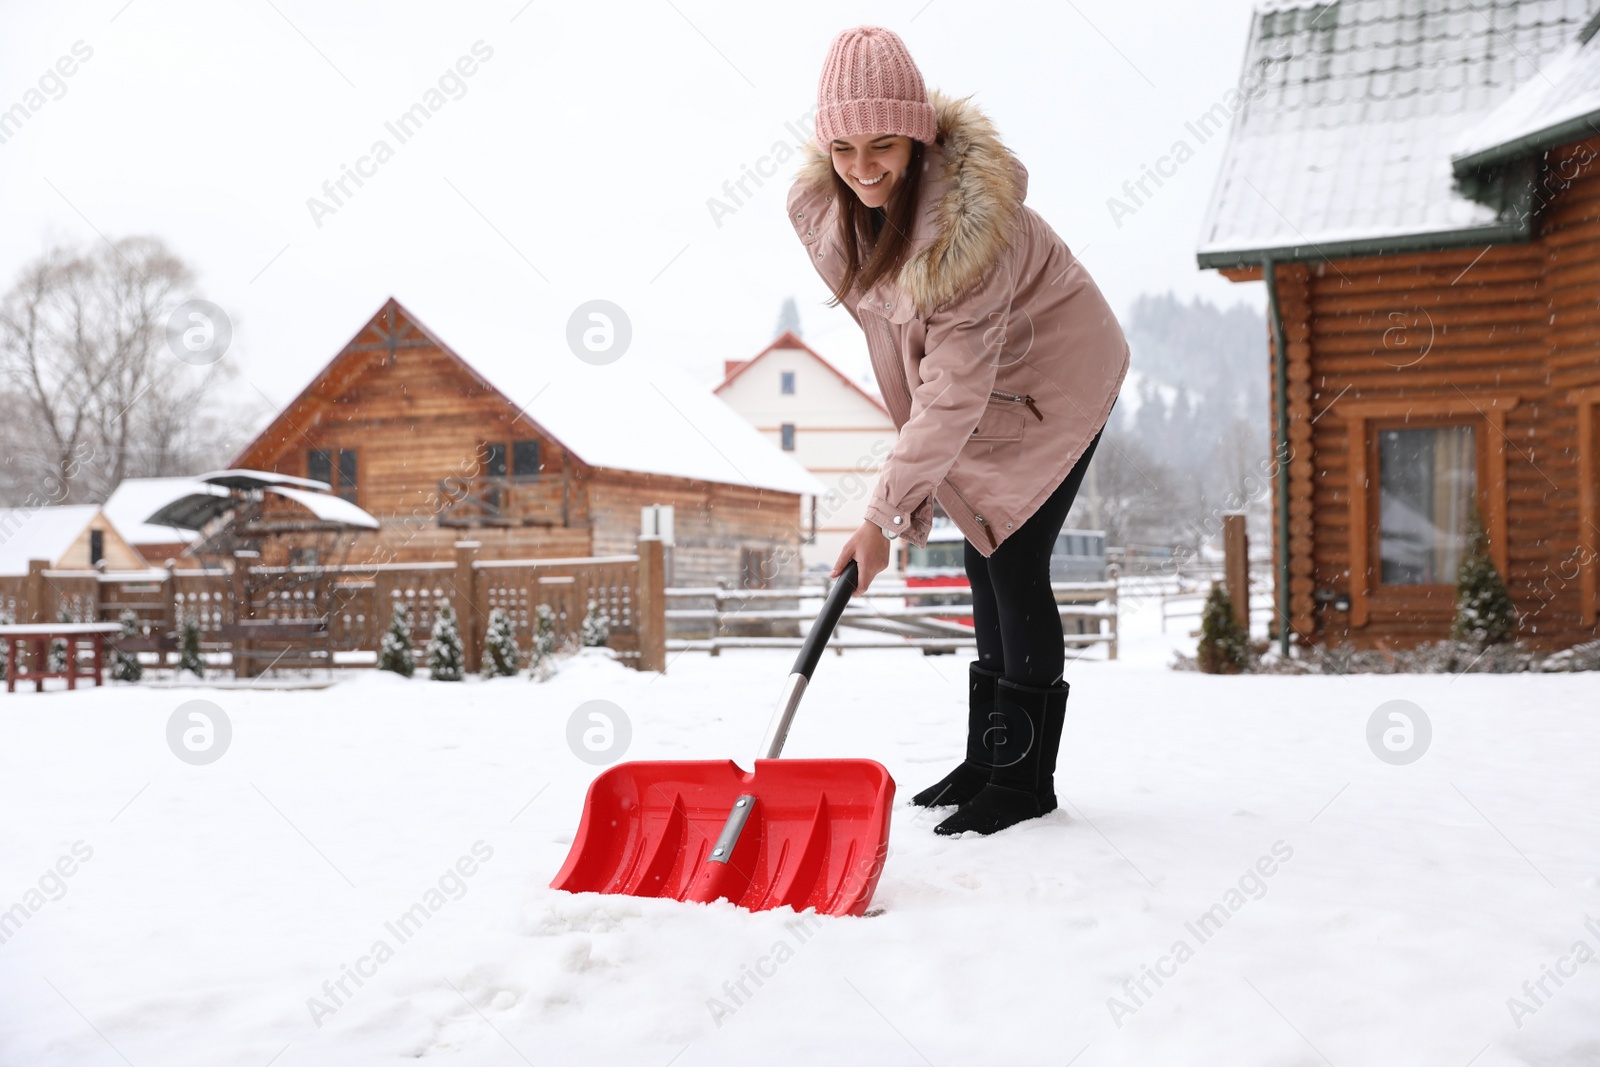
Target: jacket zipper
x=981, y=520
x=1023, y=399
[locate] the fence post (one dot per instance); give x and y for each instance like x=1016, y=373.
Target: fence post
x=1116, y=615
x=33, y=593
x=1236, y=566
x=169, y=603
x=464, y=599
x=650, y=598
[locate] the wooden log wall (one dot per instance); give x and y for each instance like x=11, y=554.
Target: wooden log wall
x=1505, y=339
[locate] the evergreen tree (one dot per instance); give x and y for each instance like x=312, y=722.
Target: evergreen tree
x=501, y=656
x=544, y=643
x=58, y=647
x=1224, y=644
x=395, y=654
x=596, y=627
x=445, y=654
x=1485, y=614
x=189, y=647
x=6, y=619
x=125, y=666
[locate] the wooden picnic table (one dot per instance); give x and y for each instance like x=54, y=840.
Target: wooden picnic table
x=40, y=635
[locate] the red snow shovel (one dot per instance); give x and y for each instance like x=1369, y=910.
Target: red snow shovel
x=807, y=833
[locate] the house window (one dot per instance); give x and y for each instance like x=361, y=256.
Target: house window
x=787, y=378
x=516, y=459
x=755, y=565
x=319, y=466
x=788, y=437
x=1427, y=483
x=347, y=474
x=524, y=459
x=97, y=546
x=494, y=460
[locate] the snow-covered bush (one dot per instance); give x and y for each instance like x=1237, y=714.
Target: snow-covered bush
x=125, y=666
x=596, y=627
x=1224, y=644
x=57, y=657
x=395, y=653
x=6, y=619
x=541, y=656
x=189, y=647
x=501, y=656
x=445, y=654
x=1485, y=615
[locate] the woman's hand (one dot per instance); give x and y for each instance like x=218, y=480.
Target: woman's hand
x=870, y=549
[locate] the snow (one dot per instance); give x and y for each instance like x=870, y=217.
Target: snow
x=1404, y=904
x=1350, y=138
x=325, y=507
x=1569, y=89
x=136, y=499
x=30, y=533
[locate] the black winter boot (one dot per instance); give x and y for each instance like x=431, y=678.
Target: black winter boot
x=1023, y=751
x=963, y=783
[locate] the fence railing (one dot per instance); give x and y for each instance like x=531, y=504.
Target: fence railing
x=891, y=614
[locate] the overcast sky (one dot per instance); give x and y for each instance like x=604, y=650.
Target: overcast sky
x=576, y=162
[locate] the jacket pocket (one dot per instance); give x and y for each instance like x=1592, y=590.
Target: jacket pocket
x=1002, y=420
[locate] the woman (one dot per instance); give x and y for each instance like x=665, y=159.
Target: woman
x=998, y=359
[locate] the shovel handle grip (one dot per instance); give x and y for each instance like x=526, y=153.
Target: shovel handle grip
x=827, y=619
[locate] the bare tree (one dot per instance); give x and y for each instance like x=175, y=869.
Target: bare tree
x=86, y=372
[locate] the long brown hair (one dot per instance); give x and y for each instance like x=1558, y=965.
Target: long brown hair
x=891, y=244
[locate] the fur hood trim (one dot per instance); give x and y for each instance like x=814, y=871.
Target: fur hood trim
x=966, y=218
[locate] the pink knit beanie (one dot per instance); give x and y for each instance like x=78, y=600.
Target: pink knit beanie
x=870, y=84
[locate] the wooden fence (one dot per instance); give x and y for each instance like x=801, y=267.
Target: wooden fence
x=354, y=604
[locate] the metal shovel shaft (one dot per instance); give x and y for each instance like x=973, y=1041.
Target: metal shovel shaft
x=806, y=662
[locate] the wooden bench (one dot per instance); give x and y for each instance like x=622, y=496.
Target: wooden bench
x=260, y=645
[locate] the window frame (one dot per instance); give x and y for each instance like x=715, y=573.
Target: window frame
x=786, y=383
x=1587, y=401
x=1486, y=413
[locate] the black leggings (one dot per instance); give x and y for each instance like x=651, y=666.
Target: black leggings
x=1014, y=612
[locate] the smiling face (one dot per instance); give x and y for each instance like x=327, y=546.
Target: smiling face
x=871, y=164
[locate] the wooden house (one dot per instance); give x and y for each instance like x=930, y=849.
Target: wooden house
x=537, y=454
x=1418, y=185
x=832, y=426
x=66, y=537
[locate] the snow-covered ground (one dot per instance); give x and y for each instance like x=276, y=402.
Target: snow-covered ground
x=1360, y=911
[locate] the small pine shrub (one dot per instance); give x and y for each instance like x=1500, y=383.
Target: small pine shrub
x=501, y=656
x=596, y=627
x=1485, y=615
x=57, y=661
x=125, y=666
x=189, y=648
x=445, y=654
x=6, y=619
x=1224, y=644
x=395, y=653
x=541, y=656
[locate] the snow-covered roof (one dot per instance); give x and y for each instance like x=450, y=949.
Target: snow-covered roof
x=1356, y=105
x=637, y=414
x=325, y=507
x=136, y=499
x=40, y=533
x=1561, y=105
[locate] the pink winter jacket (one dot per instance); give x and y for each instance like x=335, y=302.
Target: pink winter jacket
x=996, y=354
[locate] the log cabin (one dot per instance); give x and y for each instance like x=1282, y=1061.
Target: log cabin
x=1418, y=186
x=536, y=456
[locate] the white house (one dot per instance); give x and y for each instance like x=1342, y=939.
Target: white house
x=828, y=423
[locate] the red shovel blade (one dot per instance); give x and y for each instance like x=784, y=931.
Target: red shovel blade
x=811, y=833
